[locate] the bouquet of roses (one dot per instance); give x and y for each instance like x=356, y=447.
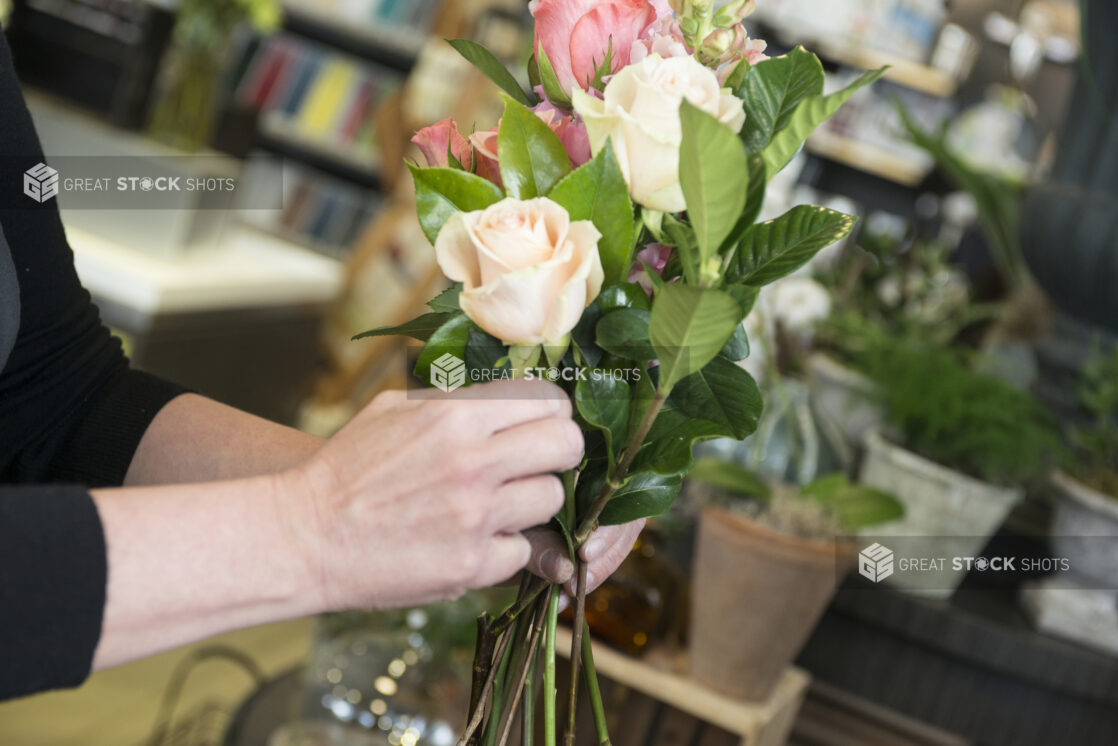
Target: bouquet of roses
x=603, y=236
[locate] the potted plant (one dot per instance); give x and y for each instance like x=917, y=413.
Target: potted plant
x=1087, y=486
x=960, y=446
x=766, y=565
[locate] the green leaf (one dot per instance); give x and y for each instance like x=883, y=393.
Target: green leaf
x=811, y=113
x=688, y=327
x=447, y=300
x=583, y=335
x=713, y=176
x=483, y=353
x=441, y=192
x=624, y=333
x=487, y=62
x=737, y=347
x=623, y=295
x=754, y=201
x=737, y=76
x=778, y=247
x=596, y=191
x=681, y=237
x=723, y=393
x=550, y=81
x=745, y=295
x=421, y=327
x=450, y=338
x=643, y=495
x=531, y=158
x=667, y=449
x=772, y=90
x=825, y=488
x=603, y=401
x=730, y=477
x=854, y=505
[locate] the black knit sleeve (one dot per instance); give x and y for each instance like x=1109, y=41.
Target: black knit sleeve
x=71, y=413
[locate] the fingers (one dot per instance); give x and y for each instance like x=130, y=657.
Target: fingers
x=549, y=555
x=506, y=556
x=539, y=447
x=525, y=503
x=505, y=404
x=604, y=552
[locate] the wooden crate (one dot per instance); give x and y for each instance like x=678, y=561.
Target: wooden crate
x=655, y=706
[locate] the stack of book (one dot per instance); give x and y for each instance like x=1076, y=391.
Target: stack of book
x=315, y=98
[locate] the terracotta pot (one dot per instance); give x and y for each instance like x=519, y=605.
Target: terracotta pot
x=756, y=596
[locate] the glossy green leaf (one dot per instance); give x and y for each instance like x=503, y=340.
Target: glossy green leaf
x=603, y=401
x=421, y=327
x=811, y=113
x=623, y=295
x=596, y=191
x=487, y=62
x=624, y=333
x=441, y=192
x=772, y=90
x=584, y=333
x=531, y=158
x=778, y=247
x=450, y=338
x=486, y=355
x=644, y=495
x=687, y=328
x=730, y=477
x=713, y=176
x=723, y=393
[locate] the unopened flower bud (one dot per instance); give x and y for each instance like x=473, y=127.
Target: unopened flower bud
x=716, y=44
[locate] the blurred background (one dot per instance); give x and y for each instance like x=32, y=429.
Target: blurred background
x=949, y=370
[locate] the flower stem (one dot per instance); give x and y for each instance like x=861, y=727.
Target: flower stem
x=479, y=710
x=526, y=670
x=592, y=688
x=549, y=690
x=576, y=657
x=500, y=684
x=590, y=522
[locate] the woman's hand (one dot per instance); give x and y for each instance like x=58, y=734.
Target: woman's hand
x=421, y=498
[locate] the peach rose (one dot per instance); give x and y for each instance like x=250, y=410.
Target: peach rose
x=527, y=271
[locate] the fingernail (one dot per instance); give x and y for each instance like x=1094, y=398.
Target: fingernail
x=555, y=566
x=564, y=602
x=590, y=580
x=594, y=548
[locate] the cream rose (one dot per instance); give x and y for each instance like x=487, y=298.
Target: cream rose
x=527, y=271
x=640, y=116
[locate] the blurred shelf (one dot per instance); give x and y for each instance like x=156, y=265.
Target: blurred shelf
x=360, y=165
x=756, y=723
x=396, y=46
x=902, y=71
x=855, y=53
x=867, y=157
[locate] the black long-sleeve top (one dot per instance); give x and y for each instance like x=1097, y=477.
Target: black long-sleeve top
x=71, y=416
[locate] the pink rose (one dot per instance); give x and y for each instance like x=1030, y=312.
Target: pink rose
x=663, y=38
x=441, y=138
x=576, y=34
x=485, y=148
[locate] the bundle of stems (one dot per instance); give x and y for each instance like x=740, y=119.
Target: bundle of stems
x=517, y=649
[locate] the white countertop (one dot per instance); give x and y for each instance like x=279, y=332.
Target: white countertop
x=251, y=269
